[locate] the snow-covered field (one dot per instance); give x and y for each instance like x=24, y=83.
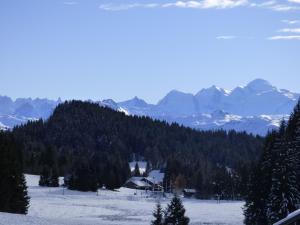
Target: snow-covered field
x=58, y=206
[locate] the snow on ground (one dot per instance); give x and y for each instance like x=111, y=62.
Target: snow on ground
x=58, y=206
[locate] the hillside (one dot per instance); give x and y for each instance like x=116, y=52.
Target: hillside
x=101, y=141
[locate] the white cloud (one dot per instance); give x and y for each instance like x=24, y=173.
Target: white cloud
x=70, y=3
x=280, y=7
x=226, y=37
x=204, y=4
x=285, y=37
x=116, y=7
x=263, y=4
x=275, y=6
x=291, y=22
x=290, y=30
x=294, y=1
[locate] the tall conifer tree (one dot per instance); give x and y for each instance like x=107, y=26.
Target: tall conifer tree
x=158, y=215
x=13, y=190
x=175, y=213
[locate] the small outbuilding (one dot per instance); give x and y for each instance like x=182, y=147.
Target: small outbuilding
x=189, y=193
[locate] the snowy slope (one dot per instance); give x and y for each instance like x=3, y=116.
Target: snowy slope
x=122, y=207
x=222, y=120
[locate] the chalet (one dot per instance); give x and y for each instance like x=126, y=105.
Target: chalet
x=154, y=185
x=291, y=219
x=153, y=182
x=137, y=183
x=189, y=193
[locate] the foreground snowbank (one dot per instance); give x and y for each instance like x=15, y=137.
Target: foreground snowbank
x=64, y=207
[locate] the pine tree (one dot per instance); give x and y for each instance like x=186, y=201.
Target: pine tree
x=136, y=171
x=174, y=214
x=199, y=183
x=274, y=191
x=20, y=198
x=83, y=177
x=284, y=195
x=260, y=183
x=54, y=178
x=45, y=177
x=254, y=210
x=49, y=175
x=158, y=215
x=13, y=190
x=293, y=135
x=148, y=168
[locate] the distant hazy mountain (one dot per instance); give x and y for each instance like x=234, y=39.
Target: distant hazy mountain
x=256, y=108
x=21, y=110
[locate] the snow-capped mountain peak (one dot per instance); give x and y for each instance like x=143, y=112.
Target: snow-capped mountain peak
x=176, y=103
x=260, y=85
x=135, y=102
x=213, y=90
x=109, y=103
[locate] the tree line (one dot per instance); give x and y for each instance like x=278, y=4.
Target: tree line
x=92, y=145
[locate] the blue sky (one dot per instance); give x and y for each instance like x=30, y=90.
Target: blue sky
x=96, y=49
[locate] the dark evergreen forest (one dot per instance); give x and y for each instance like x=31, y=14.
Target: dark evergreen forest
x=91, y=146
x=13, y=190
x=274, y=187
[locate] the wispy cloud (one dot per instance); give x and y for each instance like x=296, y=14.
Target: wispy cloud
x=70, y=3
x=275, y=6
x=294, y=1
x=291, y=22
x=120, y=7
x=285, y=37
x=290, y=30
x=205, y=4
x=226, y=37
x=284, y=8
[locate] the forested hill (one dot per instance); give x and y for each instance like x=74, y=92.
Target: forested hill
x=103, y=140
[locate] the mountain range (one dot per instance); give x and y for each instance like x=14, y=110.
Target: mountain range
x=255, y=108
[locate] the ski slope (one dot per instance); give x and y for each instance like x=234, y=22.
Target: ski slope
x=58, y=206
